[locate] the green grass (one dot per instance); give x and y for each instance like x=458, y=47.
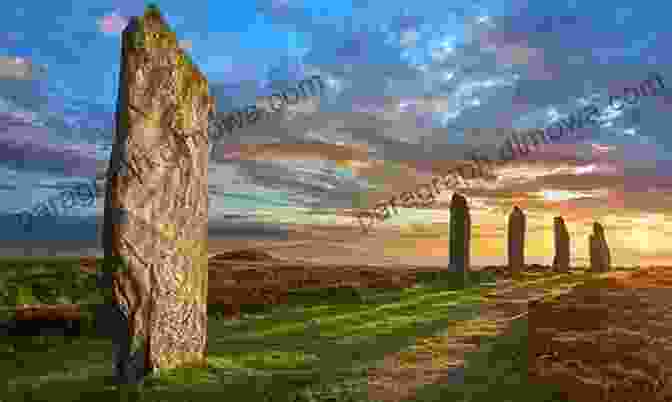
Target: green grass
x=38, y=280
x=42, y=280
x=316, y=347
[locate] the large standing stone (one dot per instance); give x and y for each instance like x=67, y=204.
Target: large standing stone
x=516, y=240
x=600, y=257
x=561, y=236
x=460, y=234
x=156, y=205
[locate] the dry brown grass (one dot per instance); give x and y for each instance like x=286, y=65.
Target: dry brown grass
x=608, y=340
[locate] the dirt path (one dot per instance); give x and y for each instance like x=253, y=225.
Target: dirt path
x=440, y=358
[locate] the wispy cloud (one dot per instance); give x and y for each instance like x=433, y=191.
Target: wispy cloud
x=17, y=68
x=185, y=44
x=112, y=23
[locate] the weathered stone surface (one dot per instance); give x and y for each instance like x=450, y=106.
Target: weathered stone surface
x=516, y=240
x=600, y=257
x=460, y=234
x=156, y=203
x=561, y=236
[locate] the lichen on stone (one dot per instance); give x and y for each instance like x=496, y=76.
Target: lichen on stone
x=153, y=119
x=164, y=39
x=138, y=37
x=137, y=343
x=190, y=288
x=160, y=40
x=169, y=230
x=190, y=84
x=197, y=251
x=138, y=41
x=152, y=9
x=178, y=359
x=192, y=291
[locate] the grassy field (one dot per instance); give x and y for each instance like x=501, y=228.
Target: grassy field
x=315, y=348
x=53, y=280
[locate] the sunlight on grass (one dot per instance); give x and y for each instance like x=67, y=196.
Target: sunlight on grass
x=451, y=304
x=417, y=300
x=315, y=309
x=377, y=327
x=225, y=362
x=183, y=376
x=366, y=311
x=477, y=329
x=277, y=359
x=280, y=329
x=392, y=322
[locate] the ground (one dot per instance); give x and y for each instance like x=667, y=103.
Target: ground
x=431, y=341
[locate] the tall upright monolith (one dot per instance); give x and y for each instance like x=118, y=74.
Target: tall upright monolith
x=561, y=239
x=600, y=256
x=460, y=234
x=516, y=240
x=156, y=205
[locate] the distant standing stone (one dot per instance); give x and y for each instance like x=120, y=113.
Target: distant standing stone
x=561, y=236
x=460, y=234
x=600, y=257
x=516, y=240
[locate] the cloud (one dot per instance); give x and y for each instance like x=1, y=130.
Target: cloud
x=56, y=159
x=16, y=68
x=26, y=147
x=601, y=149
x=185, y=44
x=112, y=23
x=409, y=38
x=222, y=228
x=403, y=23
x=410, y=94
x=283, y=152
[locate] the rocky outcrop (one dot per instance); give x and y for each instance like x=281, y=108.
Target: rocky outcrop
x=516, y=240
x=600, y=257
x=561, y=237
x=460, y=234
x=156, y=204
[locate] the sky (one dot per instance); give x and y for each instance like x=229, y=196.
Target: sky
x=410, y=88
